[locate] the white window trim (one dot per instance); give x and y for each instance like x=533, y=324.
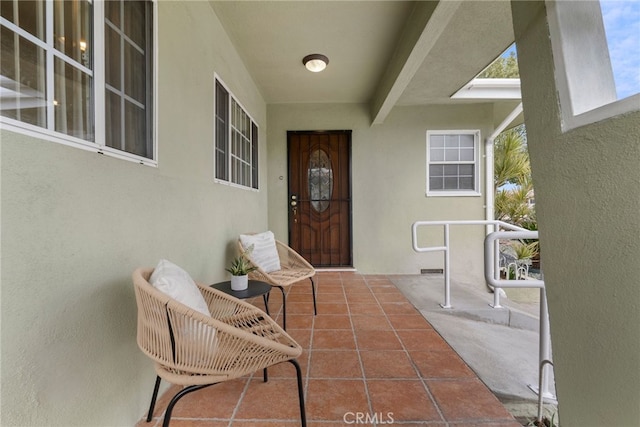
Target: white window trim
x=217, y=79
x=99, y=82
x=586, y=93
x=476, y=146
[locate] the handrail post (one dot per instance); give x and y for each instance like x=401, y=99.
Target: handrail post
x=446, y=249
x=544, y=376
x=545, y=334
x=545, y=344
x=447, y=272
x=541, y=375
x=496, y=269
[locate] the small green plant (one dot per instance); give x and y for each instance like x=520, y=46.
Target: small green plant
x=524, y=250
x=241, y=266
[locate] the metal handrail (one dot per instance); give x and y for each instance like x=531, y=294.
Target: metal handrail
x=496, y=224
x=544, y=347
x=492, y=276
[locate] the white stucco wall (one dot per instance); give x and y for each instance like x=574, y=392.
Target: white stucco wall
x=388, y=183
x=587, y=184
x=76, y=224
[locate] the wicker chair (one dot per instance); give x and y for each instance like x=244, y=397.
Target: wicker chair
x=196, y=351
x=293, y=269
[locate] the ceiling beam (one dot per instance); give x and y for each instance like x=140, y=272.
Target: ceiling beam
x=425, y=25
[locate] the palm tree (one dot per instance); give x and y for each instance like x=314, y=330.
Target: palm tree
x=511, y=158
x=512, y=176
x=512, y=205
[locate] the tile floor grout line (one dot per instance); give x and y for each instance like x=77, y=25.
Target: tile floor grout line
x=422, y=379
x=355, y=341
x=305, y=388
x=386, y=318
x=240, y=399
x=406, y=351
x=310, y=350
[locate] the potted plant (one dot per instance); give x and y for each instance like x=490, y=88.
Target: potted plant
x=524, y=253
x=240, y=268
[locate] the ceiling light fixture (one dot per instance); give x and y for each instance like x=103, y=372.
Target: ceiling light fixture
x=315, y=62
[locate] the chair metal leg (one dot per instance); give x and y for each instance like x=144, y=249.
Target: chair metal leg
x=284, y=308
x=179, y=395
x=313, y=290
x=153, y=399
x=303, y=416
x=265, y=298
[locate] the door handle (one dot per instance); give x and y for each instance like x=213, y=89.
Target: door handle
x=294, y=207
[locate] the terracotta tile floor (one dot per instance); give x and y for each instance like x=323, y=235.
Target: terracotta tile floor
x=368, y=353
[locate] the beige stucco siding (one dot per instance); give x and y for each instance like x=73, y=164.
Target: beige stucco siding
x=587, y=184
x=75, y=224
x=388, y=183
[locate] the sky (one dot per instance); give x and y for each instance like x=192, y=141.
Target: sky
x=622, y=26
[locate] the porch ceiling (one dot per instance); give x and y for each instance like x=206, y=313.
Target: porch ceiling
x=384, y=53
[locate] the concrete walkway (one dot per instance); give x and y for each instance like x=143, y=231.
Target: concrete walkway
x=500, y=345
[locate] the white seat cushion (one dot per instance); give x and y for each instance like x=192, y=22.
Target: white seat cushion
x=175, y=282
x=264, y=253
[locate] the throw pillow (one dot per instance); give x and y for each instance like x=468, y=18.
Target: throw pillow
x=264, y=254
x=175, y=282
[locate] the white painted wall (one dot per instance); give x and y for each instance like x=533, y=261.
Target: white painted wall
x=587, y=184
x=389, y=178
x=76, y=224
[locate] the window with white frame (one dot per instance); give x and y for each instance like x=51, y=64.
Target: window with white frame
x=453, y=163
x=80, y=72
x=236, y=141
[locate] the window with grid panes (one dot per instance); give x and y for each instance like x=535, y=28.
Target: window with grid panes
x=236, y=141
x=80, y=72
x=452, y=163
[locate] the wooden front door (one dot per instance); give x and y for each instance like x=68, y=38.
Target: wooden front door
x=320, y=196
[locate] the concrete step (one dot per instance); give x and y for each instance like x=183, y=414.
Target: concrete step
x=476, y=303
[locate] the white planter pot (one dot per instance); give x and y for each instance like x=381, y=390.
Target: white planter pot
x=239, y=283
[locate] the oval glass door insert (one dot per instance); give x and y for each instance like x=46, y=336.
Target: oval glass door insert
x=320, y=176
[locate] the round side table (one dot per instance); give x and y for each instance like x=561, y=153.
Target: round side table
x=256, y=288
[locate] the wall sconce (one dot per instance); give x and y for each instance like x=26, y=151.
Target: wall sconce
x=315, y=62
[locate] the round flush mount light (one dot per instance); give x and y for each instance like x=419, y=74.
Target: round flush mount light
x=315, y=62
